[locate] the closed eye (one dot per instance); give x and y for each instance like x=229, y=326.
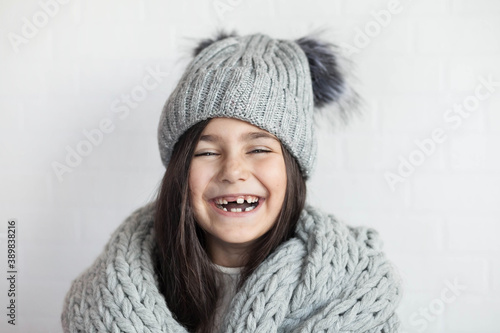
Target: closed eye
x=259, y=151
x=207, y=153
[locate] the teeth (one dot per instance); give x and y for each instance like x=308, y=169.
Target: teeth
x=240, y=200
x=252, y=199
x=223, y=208
x=236, y=210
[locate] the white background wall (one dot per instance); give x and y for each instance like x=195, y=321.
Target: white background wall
x=440, y=225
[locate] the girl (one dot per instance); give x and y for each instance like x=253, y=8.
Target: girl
x=229, y=245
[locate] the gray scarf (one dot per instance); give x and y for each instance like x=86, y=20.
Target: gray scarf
x=328, y=277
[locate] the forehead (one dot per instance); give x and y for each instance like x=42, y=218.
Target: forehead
x=235, y=128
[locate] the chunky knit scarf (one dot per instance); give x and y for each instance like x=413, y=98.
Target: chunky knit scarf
x=329, y=277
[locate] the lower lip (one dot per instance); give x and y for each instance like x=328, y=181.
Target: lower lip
x=235, y=214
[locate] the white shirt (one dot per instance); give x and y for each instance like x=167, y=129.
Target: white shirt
x=231, y=278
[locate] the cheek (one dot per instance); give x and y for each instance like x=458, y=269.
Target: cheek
x=274, y=172
x=196, y=183
x=200, y=176
x=196, y=187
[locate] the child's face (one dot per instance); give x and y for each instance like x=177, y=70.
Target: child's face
x=234, y=164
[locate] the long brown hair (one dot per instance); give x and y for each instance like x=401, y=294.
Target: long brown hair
x=187, y=277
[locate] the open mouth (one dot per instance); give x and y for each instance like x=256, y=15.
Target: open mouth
x=243, y=203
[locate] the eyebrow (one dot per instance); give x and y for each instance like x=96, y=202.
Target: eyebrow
x=246, y=136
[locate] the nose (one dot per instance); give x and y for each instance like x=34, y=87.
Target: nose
x=233, y=169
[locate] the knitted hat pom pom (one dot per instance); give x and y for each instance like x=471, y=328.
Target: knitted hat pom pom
x=328, y=82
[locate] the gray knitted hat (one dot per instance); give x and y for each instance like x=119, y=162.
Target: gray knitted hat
x=271, y=83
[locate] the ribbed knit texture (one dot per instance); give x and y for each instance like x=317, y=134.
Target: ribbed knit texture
x=254, y=78
x=329, y=277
